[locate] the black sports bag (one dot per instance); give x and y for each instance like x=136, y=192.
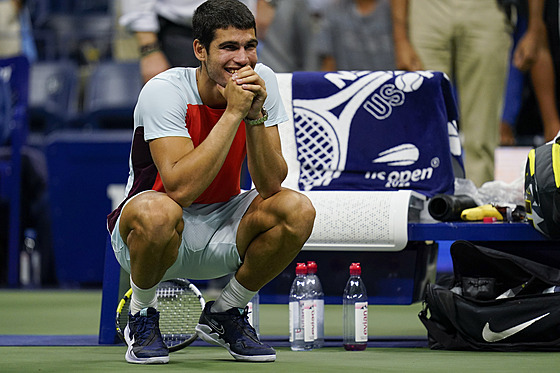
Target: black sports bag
x=496, y=301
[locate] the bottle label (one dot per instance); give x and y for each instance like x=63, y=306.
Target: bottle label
x=361, y=317
x=308, y=320
x=319, y=307
x=296, y=332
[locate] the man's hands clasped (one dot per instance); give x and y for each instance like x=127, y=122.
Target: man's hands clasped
x=245, y=92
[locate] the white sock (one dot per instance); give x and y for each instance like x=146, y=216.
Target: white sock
x=234, y=295
x=142, y=298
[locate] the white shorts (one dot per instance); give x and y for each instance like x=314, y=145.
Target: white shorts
x=208, y=247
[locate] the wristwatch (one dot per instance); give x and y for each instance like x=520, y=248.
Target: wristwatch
x=256, y=122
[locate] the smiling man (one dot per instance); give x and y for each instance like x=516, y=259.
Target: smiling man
x=184, y=214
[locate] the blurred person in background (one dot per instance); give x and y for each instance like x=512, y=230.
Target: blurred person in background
x=16, y=37
x=317, y=8
x=356, y=35
x=531, y=107
x=285, y=32
x=163, y=32
x=469, y=40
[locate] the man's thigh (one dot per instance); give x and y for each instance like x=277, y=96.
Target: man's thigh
x=208, y=247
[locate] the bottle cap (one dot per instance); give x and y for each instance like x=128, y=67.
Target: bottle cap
x=355, y=269
x=301, y=269
x=311, y=267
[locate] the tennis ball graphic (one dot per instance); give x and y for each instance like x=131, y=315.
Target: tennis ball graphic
x=409, y=82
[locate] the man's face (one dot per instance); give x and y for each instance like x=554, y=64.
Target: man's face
x=230, y=50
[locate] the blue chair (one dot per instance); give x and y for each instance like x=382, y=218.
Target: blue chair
x=110, y=95
x=53, y=95
x=15, y=72
x=84, y=38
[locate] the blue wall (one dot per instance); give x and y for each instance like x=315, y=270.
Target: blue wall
x=82, y=168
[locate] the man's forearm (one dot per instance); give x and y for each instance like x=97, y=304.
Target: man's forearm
x=399, y=14
x=265, y=161
x=145, y=38
x=536, y=9
x=186, y=175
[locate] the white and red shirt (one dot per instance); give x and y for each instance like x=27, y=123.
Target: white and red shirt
x=170, y=105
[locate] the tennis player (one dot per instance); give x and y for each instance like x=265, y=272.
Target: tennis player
x=184, y=214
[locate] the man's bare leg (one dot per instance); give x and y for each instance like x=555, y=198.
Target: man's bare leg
x=151, y=225
x=270, y=235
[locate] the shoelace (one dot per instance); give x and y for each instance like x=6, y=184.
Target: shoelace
x=244, y=326
x=144, y=326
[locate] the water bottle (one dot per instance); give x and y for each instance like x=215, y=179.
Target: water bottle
x=300, y=308
x=317, y=296
x=253, y=312
x=355, y=311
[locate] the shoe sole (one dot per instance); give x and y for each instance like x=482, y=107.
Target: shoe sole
x=131, y=358
x=208, y=335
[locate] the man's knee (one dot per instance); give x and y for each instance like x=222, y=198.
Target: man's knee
x=152, y=215
x=299, y=213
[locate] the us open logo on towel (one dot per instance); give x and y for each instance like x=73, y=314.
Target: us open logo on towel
x=381, y=130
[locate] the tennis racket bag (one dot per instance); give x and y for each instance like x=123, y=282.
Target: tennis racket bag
x=495, y=301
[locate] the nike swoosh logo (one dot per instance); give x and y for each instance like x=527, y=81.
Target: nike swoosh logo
x=491, y=336
x=217, y=328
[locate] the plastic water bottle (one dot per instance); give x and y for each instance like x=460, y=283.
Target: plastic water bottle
x=301, y=309
x=355, y=311
x=253, y=312
x=317, y=296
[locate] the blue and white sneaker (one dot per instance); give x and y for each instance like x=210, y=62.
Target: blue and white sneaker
x=142, y=335
x=231, y=330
